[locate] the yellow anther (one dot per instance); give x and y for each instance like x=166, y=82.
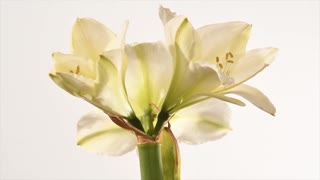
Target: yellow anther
x=217, y=59
x=225, y=65
x=230, y=61
x=229, y=54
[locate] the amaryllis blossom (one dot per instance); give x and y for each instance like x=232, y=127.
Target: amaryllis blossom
x=141, y=88
x=223, y=47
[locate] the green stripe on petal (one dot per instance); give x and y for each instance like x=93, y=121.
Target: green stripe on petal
x=109, y=87
x=202, y=122
x=148, y=76
x=98, y=134
x=180, y=34
x=190, y=78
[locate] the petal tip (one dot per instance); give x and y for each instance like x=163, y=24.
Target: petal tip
x=229, y=128
x=273, y=112
x=271, y=54
x=52, y=75
x=78, y=21
x=165, y=14
x=55, y=54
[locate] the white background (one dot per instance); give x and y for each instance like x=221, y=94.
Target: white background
x=38, y=119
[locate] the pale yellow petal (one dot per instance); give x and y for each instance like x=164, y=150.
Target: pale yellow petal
x=109, y=86
x=90, y=38
x=202, y=122
x=118, y=58
x=75, y=84
x=190, y=79
x=122, y=36
x=222, y=97
x=179, y=32
x=219, y=39
x=148, y=76
x=252, y=63
x=255, y=96
x=62, y=84
x=96, y=133
x=66, y=63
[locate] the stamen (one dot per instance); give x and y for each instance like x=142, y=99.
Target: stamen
x=229, y=54
x=230, y=61
x=71, y=71
x=225, y=67
x=78, y=70
x=226, y=64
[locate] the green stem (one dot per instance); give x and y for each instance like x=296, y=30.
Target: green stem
x=150, y=161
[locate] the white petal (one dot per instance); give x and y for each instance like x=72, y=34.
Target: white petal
x=165, y=15
x=122, y=36
x=118, y=58
x=190, y=78
x=109, y=86
x=222, y=97
x=98, y=134
x=179, y=32
x=252, y=63
x=202, y=122
x=62, y=84
x=148, y=75
x=219, y=39
x=255, y=96
x=75, y=84
x=90, y=38
x=66, y=63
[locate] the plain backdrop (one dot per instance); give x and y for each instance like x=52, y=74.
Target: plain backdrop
x=38, y=119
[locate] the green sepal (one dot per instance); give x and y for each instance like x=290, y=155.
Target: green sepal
x=170, y=155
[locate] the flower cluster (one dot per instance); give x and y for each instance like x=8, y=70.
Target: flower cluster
x=182, y=83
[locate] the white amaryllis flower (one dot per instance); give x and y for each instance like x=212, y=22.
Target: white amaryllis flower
x=148, y=79
x=141, y=87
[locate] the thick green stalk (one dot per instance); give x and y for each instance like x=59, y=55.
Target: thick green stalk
x=150, y=161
